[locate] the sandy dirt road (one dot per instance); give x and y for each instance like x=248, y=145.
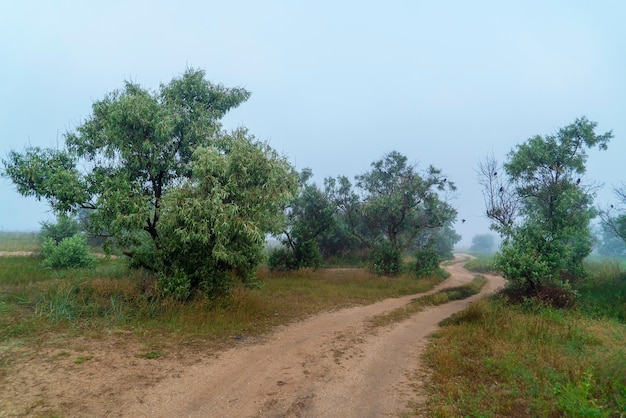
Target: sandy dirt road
x=329, y=365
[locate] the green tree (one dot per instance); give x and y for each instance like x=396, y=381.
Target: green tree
x=392, y=206
x=541, y=206
x=136, y=147
x=216, y=222
x=484, y=243
x=65, y=227
x=309, y=214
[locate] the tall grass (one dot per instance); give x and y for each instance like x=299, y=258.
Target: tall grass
x=502, y=359
x=34, y=300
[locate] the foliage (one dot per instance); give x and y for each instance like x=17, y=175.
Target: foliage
x=541, y=207
x=386, y=259
x=65, y=227
x=164, y=183
x=216, y=222
x=135, y=146
x=309, y=215
x=427, y=260
x=70, y=252
x=392, y=207
x=483, y=243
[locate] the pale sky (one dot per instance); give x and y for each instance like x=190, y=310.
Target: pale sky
x=335, y=84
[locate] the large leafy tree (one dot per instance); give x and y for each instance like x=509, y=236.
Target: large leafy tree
x=216, y=222
x=542, y=206
x=136, y=147
x=392, y=207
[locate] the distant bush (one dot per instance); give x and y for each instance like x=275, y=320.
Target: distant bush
x=305, y=254
x=72, y=252
x=65, y=227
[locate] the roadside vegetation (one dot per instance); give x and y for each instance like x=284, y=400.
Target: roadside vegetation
x=37, y=302
x=528, y=359
x=152, y=177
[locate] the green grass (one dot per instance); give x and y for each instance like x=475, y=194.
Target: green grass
x=480, y=263
x=35, y=302
x=435, y=299
x=498, y=359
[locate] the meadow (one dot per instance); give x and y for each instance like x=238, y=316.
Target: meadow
x=526, y=360
x=493, y=359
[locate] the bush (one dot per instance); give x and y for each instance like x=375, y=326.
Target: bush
x=305, y=254
x=426, y=261
x=281, y=259
x=65, y=227
x=386, y=260
x=177, y=286
x=72, y=252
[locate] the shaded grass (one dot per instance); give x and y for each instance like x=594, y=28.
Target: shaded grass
x=496, y=359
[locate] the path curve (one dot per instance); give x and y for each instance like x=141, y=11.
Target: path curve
x=329, y=365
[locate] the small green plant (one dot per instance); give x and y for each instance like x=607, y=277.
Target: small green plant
x=150, y=355
x=82, y=359
x=72, y=252
x=426, y=260
x=176, y=285
x=386, y=260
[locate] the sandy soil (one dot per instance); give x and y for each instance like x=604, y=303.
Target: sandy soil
x=330, y=365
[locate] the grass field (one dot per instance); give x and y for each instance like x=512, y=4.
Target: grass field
x=498, y=359
x=494, y=359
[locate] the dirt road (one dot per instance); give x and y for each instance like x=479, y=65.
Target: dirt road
x=330, y=365
x=326, y=366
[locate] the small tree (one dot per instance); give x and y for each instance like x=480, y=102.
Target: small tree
x=392, y=206
x=541, y=206
x=309, y=214
x=65, y=227
x=216, y=222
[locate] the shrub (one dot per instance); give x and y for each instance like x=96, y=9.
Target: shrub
x=177, y=285
x=385, y=259
x=305, y=254
x=72, y=252
x=426, y=261
x=65, y=227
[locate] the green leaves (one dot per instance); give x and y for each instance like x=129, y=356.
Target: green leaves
x=542, y=207
x=164, y=183
x=397, y=207
x=217, y=221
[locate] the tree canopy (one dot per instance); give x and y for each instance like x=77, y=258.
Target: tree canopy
x=392, y=206
x=541, y=204
x=138, y=147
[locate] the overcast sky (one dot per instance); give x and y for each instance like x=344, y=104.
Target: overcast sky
x=335, y=84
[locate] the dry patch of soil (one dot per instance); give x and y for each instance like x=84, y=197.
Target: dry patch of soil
x=329, y=365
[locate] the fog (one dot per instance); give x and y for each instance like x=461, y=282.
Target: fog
x=335, y=85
